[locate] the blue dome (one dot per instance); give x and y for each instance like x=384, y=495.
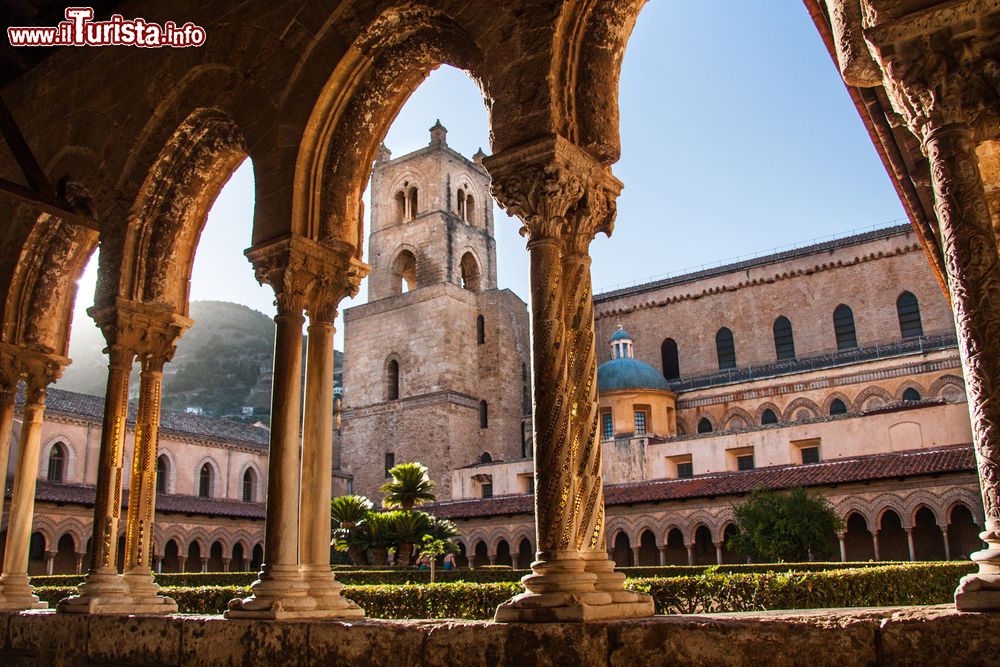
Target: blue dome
x=628, y=374
x=621, y=334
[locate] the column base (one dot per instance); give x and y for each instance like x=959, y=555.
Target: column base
x=612, y=582
x=279, y=593
x=980, y=591
x=102, y=591
x=146, y=593
x=328, y=593
x=16, y=594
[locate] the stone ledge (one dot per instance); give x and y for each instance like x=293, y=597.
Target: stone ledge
x=938, y=636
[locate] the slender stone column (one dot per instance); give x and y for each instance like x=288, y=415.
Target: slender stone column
x=15, y=592
x=10, y=375
x=875, y=544
x=225, y=565
x=635, y=555
x=181, y=563
x=50, y=561
x=718, y=553
x=690, y=550
x=564, y=197
x=909, y=543
x=842, y=539
x=317, y=452
x=300, y=271
x=79, y=562
x=663, y=555
x=947, y=547
x=142, y=489
x=103, y=586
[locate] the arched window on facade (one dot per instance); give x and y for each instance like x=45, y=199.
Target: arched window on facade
x=249, y=485
x=470, y=209
x=392, y=380
x=725, y=349
x=843, y=328
x=460, y=203
x=471, y=276
x=671, y=364
x=908, y=311
x=485, y=458
x=484, y=417
x=704, y=425
x=911, y=394
x=784, y=342
x=768, y=417
x=838, y=407
x=205, y=481
x=480, y=330
x=57, y=462
x=414, y=210
x=400, y=199
x=404, y=272
x=162, y=470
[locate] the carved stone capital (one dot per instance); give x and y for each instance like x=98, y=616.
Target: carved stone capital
x=942, y=66
x=558, y=190
x=147, y=331
x=308, y=275
x=40, y=370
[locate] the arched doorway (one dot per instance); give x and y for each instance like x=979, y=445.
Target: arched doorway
x=193, y=563
x=963, y=533
x=525, y=555
x=892, y=541
x=462, y=557
x=649, y=554
x=215, y=563
x=170, y=562
x=257, y=557
x=65, y=561
x=858, y=543
x=729, y=555
x=704, y=550
x=481, y=556
x=238, y=562
x=676, y=552
x=623, y=550
x=36, y=555
x=503, y=554
x=928, y=542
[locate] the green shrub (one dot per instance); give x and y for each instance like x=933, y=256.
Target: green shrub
x=712, y=591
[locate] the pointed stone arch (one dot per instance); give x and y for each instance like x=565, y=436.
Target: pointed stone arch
x=794, y=410
x=871, y=398
x=949, y=387
x=737, y=418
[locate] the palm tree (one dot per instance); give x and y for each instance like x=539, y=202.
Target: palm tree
x=350, y=512
x=375, y=535
x=409, y=528
x=410, y=486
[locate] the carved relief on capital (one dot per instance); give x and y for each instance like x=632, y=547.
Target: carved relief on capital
x=935, y=78
x=557, y=190
x=308, y=275
x=147, y=331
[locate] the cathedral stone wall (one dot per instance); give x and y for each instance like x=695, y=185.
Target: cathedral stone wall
x=866, y=273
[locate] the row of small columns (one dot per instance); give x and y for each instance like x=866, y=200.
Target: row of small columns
x=842, y=538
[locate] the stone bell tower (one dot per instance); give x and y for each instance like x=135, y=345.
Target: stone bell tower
x=436, y=363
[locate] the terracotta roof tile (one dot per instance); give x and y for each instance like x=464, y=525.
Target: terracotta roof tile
x=79, y=494
x=180, y=423
x=958, y=458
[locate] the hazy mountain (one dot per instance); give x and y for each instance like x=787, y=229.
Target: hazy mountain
x=222, y=365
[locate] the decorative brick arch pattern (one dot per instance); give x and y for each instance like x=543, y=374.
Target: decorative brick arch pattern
x=949, y=387
x=736, y=419
x=972, y=500
x=888, y=501
x=853, y=505
x=773, y=407
x=641, y=524
x=910, y=384
x=869, y=393
x=831, y=398
x=931, y=501
x=796, y=406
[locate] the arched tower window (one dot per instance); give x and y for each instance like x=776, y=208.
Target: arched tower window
x=704, y=425
x=911, y=394
x=784, y=342
x=205, y=481
x=392, y=380
x=162, y=470
x=480, y=330
x=471, y=276
x=843, y=327
x=725, y=349
x=470, y=209
x=57, y=462
x=908, y=311
x=486, y=458
x=400, y=200
x=460, y=203
x=484, y=417
x=249, y=485
x=671, y=364
x=414, y=210
x=404, y=272
x=768, y=417
x=838, y=407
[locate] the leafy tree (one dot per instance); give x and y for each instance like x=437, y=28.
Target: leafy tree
x=350, y=512
x=409, y=486
x=433, y=547
x=790, y=526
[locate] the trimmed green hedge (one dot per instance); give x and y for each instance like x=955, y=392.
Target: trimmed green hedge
x=924, y=583
x=400, y=576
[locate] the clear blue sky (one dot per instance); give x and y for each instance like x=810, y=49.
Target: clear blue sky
x=737, y=137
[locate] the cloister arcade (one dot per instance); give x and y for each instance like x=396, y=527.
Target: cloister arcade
x=132, y=156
